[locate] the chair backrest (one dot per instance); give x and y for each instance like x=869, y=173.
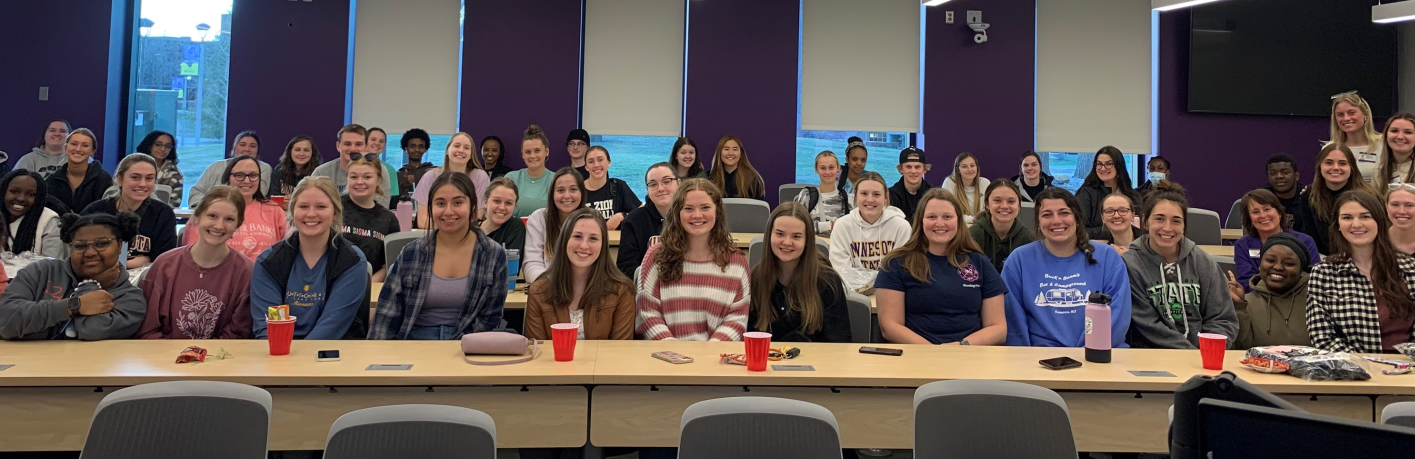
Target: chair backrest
x=1203, y=227
x=1399, y=414
x=1235, y=216
x=179, y=419
x=789, y=191
x=758, y=428
x=393, y=243
x=421, y=431
x=1004, y=419
x=757, y=248
x=746, y=215
x=162, y=192
x=1027, y=216
x=1225, y=264
x=859, y=317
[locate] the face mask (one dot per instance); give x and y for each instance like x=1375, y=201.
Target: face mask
x=1156, y=176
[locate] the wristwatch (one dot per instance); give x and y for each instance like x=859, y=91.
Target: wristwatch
x=74, y=306
x=964, y=342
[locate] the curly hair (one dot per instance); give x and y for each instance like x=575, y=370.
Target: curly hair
x=674, y=247
x=124, y=225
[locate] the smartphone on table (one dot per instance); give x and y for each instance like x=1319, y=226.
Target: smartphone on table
x=1060, y=363
x=672, y=357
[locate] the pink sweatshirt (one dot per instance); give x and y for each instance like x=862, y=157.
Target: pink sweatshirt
x=185, y=301
x=264, y=226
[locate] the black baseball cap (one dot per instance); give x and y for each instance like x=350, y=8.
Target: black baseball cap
x=578, y=134
x=912, y=154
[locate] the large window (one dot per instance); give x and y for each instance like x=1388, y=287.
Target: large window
x=630, y=156
x=180, y=78
x=436, y=151
x=883, y=149
x=1069, y=170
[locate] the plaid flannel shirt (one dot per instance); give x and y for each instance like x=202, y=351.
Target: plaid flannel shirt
x=405, y=289
x=1341, y=306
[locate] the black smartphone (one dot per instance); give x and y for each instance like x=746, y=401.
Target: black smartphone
x=881, y=351
x=327, y=356
x=1060, y=363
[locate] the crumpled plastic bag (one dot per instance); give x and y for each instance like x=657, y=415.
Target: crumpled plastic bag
x=1306, y=362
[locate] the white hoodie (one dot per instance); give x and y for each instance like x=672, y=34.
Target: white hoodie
x=857, y=248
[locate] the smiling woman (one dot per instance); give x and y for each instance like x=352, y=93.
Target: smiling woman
x=137, y=174
x=1263, y=217
x=265, y=221
x=33, y=227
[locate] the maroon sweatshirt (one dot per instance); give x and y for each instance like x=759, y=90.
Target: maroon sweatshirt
x=185, y=301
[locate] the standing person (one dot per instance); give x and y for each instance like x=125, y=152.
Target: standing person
x=32, y=226
x=499, y=224
x=576, y=145
x=1399, y=148
x=1108, y=175
x=684, y=159
x=351, y=146
x=1177, y=291
x=1353, y=127
x=967, y=184
x=163, y=148
x=448, y=283
x=492, y=152
x=1263, y=218
x=1284, y=181
x=795, y=295
x=582, y=287
x=40, y=302
x=246, y=143
x=1400, y=206
x=365, y=222
x=695, y=285
x=1359, y=297
x=1032, y=180
x=566, y=195
x=264, y=222
x=48, y=153
x=299, y=160
x=461, y=159
x=1279, y=291
x=1336, y=173
x=157, y=232
x=375, y=142
x=862, y=238
x=213, y=304
x=610, y=196
x=1118, y=214
x=1157, y=169
x=414, y=143
x=997, y=231
x=533, y=181
x=939, y=288
x=733, y=173
x=1049, y=280
x=856, y=157
x=826, y=203
x=79, y=182
x=644, y=224
x=317, y=272
x=909, y=190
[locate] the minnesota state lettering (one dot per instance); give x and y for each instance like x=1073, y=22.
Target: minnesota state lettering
x=871, y=249
x=1175, y=297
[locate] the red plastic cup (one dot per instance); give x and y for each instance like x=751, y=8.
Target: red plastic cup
x=279, y=201
x=757, y=345
x=280, y=333
x=564, y=336
x=1211, y=348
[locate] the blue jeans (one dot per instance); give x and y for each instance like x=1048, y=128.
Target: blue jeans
x=433, y=333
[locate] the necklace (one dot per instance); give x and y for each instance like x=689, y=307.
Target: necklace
x=1285, y=319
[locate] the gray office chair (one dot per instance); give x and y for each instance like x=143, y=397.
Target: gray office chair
x=393, y=243
x=206, y=419
x=1235, y=216
x=1004, y=419
x=1203, y=227
x=1225, y=265
x=746, y=215
x=1027, y=216
x=789, y=191
x=758, y=428
x=860, y=322
x=1399, y=414
x=757, y=248
x=421, y=431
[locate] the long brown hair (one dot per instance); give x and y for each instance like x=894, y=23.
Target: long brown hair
x=970, y=206
x=1083, y=243
x=1386, y=277
x=1387, y=165
x=604, y=278
x=802, y=295
x=1320, y=196
x=748, y=181
x=914, y=254
x=674, y=246
x=553, y=216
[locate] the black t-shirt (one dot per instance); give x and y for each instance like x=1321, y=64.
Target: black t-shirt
x=157, y=232
x=835, y=314
x=615, y=197
x=511, y=236
x=1032, y=191
x=366, y=228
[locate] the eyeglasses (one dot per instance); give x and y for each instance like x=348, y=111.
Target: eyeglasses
x=243, y=177
x=665, y=182
x=1401, y=186
x=1106, y=165
x=576, y=143
x=1347, y=93
x=97, y=244
x=1114, y=212
x=370, y=157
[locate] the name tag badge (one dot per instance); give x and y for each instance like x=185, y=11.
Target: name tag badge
x=1253, y=253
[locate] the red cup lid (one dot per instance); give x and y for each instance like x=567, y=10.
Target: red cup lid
x=564, y=327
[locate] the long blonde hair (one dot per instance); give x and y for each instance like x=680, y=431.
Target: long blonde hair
x=674, y=247
x=914, y=253
x=970, y=206
x=802, y=292
x=473, y=160
x=1338, y=136
x=322, y=184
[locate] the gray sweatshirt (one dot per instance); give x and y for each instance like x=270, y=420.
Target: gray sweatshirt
x=1172, y=303
x=35, y=306
x=39, y=161
x=212, y=177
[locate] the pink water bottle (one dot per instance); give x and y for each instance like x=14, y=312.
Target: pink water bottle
x=1098, y=328
x=405, y=215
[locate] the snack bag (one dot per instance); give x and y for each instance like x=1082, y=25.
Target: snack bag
x=1275, y=359
x=1334, y=366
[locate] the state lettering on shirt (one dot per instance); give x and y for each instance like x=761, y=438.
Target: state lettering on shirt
x=871, y=249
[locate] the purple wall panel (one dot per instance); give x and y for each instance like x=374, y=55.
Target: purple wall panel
x=742, y=57
x=289, y=62
x=520, y=66
x=979, y=98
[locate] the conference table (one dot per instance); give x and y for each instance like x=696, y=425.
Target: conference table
x=615, y=394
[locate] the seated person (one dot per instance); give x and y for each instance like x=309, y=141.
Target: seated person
x=1278, y=292
x=1032, y=180
x=137, y=175
x=52, y=298
x=733, y=173
x=1118, y=228
x=567, y=193
x=1049, y=280
x=1283, y=182
x=644, y=224
x=997, y=231
x=796, y=296
x=826, y=202
x=909, y=190
x=968, y=185
x=247, y=143
x=500, y=224
x=317, y=272
x=264, y=223
x=1263, y=217
x=365, y=222
x=202, y=291
x=33, y=226
x=1359, y=297
x=582, y=286
x=448, y=283
x=938, y=288
x=610, y=196
x=1157, y=169
x=861, y=239
x=694, y=285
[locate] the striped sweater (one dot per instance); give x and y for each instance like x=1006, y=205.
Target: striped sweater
x=707, y=304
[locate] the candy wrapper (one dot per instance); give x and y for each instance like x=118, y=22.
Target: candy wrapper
x=734, y=359
x=1406, y=348
x=192, y=354
x=1305, y=362
x=1275, y=359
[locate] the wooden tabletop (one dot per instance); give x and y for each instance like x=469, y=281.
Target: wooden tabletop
x=1231, y=234
x=1218, y=250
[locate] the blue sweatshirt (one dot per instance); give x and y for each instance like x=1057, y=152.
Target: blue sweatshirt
x=318, y=314
x=1046, y=304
